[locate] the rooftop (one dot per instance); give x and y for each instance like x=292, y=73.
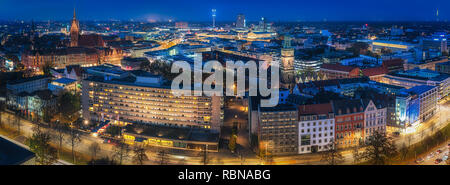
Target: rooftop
x=420, y=89
x=13, y=154
x=23, y=80
x=190, y=134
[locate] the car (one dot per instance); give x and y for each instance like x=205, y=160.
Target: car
x=419, y=160
x=437, y=161
x=445, y=157
x=438, y=151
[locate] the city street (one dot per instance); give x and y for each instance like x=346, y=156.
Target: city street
x=432, y=155
x=235, y=115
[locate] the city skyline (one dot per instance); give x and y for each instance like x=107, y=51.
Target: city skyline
x=285, y=10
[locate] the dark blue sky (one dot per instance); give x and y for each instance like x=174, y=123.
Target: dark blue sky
x=200, y=10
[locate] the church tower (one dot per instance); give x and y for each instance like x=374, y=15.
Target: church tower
x=287, y=64
x=74, y=31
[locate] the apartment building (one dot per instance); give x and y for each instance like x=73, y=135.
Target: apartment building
x=315, y=127
x=349, y=121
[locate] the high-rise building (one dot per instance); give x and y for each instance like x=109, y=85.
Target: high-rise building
x=213, y=11
x=74, y=31
x=138, y=97
x=240, y=22
x=287, y=64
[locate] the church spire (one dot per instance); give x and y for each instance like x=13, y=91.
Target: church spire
x=74, y=13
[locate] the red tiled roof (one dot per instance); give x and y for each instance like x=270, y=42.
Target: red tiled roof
x=374, y=71
x=91, y=40
x=338, y=67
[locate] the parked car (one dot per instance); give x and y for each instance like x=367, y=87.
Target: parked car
x=437, y=161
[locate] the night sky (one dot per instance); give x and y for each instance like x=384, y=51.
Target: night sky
x=200, y=10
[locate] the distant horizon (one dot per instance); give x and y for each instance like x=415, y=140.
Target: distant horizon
x=200, y=10
x=233, y=21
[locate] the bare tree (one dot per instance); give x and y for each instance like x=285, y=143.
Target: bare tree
x=379, y=148
x=10, y=120
x=17, y=121
x=121, y=151
x=205, y=157
x=332, y=156
x=94, y=148
x=73, y=140
x=139, y=154
x=404, y=151
x=162, y=156
x=39, y=143
x=356, y=154
x=409, y=138
x=59, y=135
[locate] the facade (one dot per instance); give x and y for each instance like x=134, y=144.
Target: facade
x=28, y=85
x=375, y=113
x=305, y=64
x=141, y=98
x=416, y=105
x=277, y=130
x=315, y=127
x=429, y=64
x=132, y=63
x=437, y=42
x=349, y=122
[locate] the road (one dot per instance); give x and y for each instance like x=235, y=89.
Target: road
x=432, y=155
x=224, y=156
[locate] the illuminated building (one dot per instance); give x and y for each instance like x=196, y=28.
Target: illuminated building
x=277, y=129
x=437, y=42
x=287, y=64
x=349, y=122
x=394, y=46
x=129, y=63
x=315, y=127
x=30, y=96
x=418, y=77
x=74, y=31
x=375, y=113
x=138, y=97
x=60, y=58
x=416, y=105
x=170, y=137
x=425, y=64
x=213, y=11
x=240, y=22
x=181, y=25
